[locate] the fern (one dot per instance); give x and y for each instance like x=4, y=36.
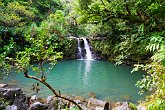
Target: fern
x=160, y=56
x=156, y=42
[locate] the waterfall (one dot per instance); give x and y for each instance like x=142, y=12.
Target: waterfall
x=79, y=49
x=88, y=52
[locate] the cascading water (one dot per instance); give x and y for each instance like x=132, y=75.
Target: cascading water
x=79, y=49
x=88, y=52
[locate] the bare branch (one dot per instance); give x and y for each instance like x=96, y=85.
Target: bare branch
x=47, y=85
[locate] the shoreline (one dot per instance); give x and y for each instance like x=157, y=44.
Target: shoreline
x=87, y=104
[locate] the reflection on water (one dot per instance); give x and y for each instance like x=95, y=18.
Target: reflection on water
x=82, y=77
x=86, y=76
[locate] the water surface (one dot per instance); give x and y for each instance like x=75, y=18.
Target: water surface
x=83, y=77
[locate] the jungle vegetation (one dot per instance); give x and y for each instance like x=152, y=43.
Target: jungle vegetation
x=124, y=31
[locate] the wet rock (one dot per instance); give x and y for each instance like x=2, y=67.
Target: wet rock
x=50, y=99
x=3, y=85
x=124, y=106
x=38, y=106
x=93, y=103
x=141, y=107
x=53, y=103
x=78, y=101
x=21, y=101
x=117, y=104
x=12, y=107
x=15, y=97
x=10, y=94
x=34, y=99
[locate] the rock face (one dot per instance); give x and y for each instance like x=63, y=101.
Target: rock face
x=15, y=97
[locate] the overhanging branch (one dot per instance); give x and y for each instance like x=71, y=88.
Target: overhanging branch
x=25, y=71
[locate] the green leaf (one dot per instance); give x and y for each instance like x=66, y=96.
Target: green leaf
x=164, y=62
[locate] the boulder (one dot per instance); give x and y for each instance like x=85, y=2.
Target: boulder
x=93, y=103
x=34, y=99
x=12, y=107
x=15, y=97
x=3, y=85
x=10, y=93
x=50, y=99
x=78, y=101
x=117, y=104
x=52, y=102
x=124, y=106
x=55, y=103
x=38, y=106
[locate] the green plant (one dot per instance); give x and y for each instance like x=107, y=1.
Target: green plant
x=154, y=82
x=132, y=106
x=3, y=103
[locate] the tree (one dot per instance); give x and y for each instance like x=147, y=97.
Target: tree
x=44, y=48
x=43, y=44
x=134, y=31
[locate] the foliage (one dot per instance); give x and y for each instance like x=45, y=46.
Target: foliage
x=14, y=16
x=6, y=50
x=131, y=27
x=3, y=103
x=129, y=35
x=104, y=48
x=132, y=106
x=154, y=81
x=44, y=40
x=120, y=30
x=130, y=31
